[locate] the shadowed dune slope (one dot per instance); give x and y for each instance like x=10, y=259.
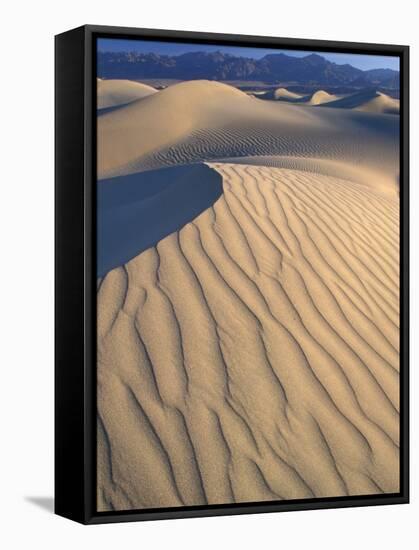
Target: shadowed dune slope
x=253, y=354
x=136, y=211
x=206, y=121
x=113, y=93
x=368, y=101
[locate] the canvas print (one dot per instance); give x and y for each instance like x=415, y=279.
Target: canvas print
x=247, y=274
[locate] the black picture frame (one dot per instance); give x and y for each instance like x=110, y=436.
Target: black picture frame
x=75, y=274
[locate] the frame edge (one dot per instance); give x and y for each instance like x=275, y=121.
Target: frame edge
x=69, y=276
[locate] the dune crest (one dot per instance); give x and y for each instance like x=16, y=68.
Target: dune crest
x=382, y=103
x=113, y=93
x=316, y=98
x=160, y=119
x=369, y=101
x=202, y=121
x=320, y=97
x=278, y=377
x=284, y=94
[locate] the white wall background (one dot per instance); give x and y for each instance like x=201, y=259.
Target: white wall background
x=26, y=289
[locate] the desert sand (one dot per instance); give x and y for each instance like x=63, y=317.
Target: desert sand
x=284, y=94
x=320, y=97
x=112, y=93
x=201, y=120
x=316, y=98
x=251, y=352
x=369, y=101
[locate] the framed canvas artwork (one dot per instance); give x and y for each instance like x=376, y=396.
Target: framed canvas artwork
x=231, y=274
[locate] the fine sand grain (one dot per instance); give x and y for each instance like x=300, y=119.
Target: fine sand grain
x=252, y=354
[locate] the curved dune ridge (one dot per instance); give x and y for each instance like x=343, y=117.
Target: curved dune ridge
x=317, y=98
x=131, y=132
x=320, y=97
x=113, y=93
x=253, y=354
x=207, y=121
x=369, y=101
x=283, y=92
x=285, y=95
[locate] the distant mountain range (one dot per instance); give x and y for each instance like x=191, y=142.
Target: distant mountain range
x=273, y=68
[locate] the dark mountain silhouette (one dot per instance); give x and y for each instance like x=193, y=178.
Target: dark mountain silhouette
x=272, y=68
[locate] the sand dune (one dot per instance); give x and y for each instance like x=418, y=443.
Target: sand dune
x=320, y=97
x=133, y=131
x=253, y=355
x=282, y=94
x=369, y=101
x=248, y=340
x=316, y=98
x=112, y=93
x=202, y=121
x=381, y=104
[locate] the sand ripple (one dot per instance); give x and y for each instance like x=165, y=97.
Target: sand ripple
x=253, y=354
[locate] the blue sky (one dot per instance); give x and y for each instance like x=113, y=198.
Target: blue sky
x=363, y=62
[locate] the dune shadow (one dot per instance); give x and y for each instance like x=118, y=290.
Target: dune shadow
x=104, y=110
x=353, y=100
x=136, y=211
x=46, y=503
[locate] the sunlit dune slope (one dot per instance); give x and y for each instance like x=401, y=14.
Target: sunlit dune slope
x=253, y=354
x=201, y=121
x=284, y=94
x=315, y=98
x=112, y=93
x=320, y=97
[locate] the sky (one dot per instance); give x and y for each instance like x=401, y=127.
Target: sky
x=363, y=62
